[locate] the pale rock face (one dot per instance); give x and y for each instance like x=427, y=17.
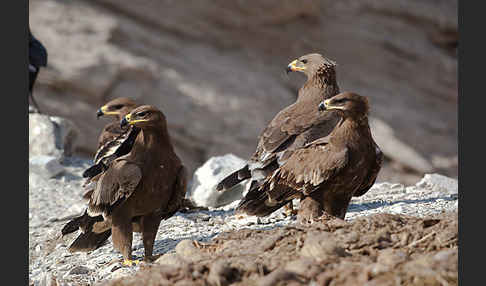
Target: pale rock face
x=45, y=166
x=203, y=191
x=217, y=70
x=440, y=183
x=51, y=136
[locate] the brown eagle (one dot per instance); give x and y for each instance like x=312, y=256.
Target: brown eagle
x=136, y=190
x=117, y=108
x=292, y=131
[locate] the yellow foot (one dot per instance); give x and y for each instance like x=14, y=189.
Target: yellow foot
x=289, y=210
x=128, y=262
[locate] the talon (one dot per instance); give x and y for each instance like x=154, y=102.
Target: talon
x=289, y=210
x=128, y=262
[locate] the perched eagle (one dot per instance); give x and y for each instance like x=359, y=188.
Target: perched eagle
x=136, y=191
x=117, y=108
x=114, y=141
x=292, y=131
x=37, y=59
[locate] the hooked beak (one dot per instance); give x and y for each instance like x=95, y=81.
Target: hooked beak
x=104, y=111
x=99, y=113
x=295, y=65
x=328, y=106
x=124, y=122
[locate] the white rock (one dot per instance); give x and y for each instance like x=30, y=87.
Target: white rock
x=47, y=279
x=73, y=211
x=45, y=166
x=440, y=183
x=121, y=272
x=203, y=191
x=52, y=136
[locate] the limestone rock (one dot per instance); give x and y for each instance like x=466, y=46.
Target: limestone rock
x=437, y=182
x=47, y=279
x=203, y=191
x=187, y=250
x=171, y=259
x=79, y=270
x=45, y=166
x=51, y=136
x=321, y=246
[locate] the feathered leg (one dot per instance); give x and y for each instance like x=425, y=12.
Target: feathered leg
x=336, y=204
x=122, y=235
x=150, y=225
x=310, y=208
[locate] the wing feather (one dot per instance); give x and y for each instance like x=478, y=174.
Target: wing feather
x=115, y=185
x=321, y=164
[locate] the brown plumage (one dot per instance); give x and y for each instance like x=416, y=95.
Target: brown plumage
x=287, y=147
x=137, y=190
x=116, y=108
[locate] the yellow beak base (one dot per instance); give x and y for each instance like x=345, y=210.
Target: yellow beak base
x=294, y=67
x=105, y=111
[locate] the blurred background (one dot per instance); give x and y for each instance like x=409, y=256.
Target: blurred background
x=216, y=69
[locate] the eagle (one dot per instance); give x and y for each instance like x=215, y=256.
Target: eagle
x=292, y=131
x=135, y=191
x=37, y=59
x=114, y=140
x=117, y=108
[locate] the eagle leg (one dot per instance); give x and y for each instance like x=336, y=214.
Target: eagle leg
x=122, y=234
x=334, y=204
x=310, y=209
x=150, y=225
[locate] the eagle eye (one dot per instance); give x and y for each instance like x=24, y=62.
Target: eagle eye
x=118, y=106
x=304, y=61
x=142, y=113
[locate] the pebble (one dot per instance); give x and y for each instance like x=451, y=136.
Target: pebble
x=79, y=270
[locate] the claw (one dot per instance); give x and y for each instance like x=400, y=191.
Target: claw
x=128, y=262
x=289, y=210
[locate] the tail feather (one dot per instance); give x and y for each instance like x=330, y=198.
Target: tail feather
x=84, y=223
x=256, y=202
x=89, y=241
x=234, y=178
x=72, y=226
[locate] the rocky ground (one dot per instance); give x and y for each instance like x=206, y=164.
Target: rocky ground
x=381, y=249
x=389, y=232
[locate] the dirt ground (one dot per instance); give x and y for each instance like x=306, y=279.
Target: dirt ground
x=382, y=249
